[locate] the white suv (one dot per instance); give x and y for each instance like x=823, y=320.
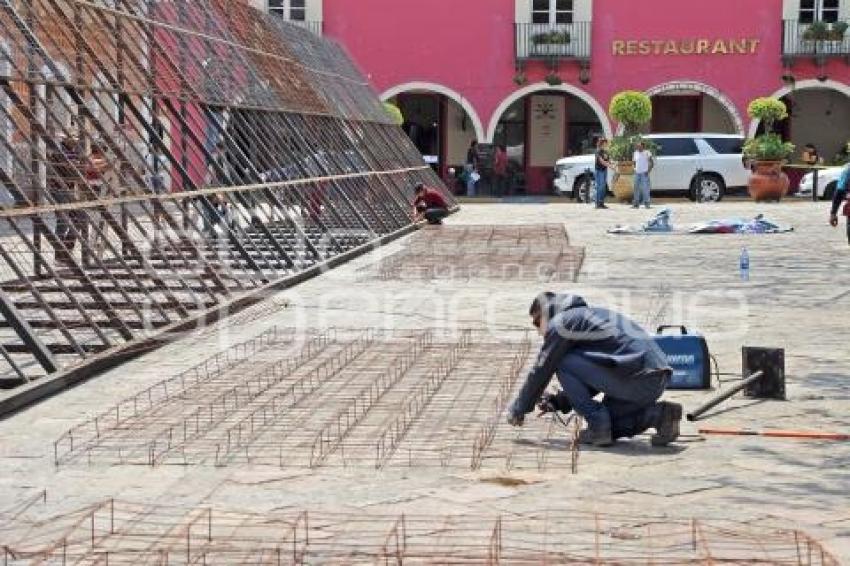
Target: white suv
x=703, y=165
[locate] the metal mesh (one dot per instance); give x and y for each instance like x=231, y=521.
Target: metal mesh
x=160, y=158
x=122, y=532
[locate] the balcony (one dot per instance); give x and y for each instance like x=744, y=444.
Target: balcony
x=815, y=40
x=547, y=41
x=314, y=26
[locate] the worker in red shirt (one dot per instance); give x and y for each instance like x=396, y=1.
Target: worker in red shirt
x=430, y=204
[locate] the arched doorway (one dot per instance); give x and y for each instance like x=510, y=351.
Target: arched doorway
x=691, y=107
x=817, y=110
x=439, y=121
x=539, y=125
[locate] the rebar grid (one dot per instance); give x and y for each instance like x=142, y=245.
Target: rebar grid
x=354, y=398
x=158, y=159
x=528, y=252
x=119, y=532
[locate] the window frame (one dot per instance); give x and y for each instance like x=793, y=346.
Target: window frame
x=679, y=140
x=553, y=12
x=286, y=10
x=819, y=12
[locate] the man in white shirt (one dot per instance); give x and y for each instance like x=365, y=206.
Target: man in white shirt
x=644, y=163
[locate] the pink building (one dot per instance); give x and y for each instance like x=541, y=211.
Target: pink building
x=537, y=75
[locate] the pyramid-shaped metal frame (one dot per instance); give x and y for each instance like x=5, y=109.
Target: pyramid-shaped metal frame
x=159, y=159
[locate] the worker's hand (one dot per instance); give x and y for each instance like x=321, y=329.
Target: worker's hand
x=833, y=220
x=515, y=420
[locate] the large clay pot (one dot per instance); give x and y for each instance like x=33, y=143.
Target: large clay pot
x=767, y=181
x=624, y=181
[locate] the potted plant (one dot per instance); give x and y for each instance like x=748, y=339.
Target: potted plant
x=550, y=42
x=633, y=110
x=768, y=151
x=835, y=38
x=520, y=79
x=552, y=79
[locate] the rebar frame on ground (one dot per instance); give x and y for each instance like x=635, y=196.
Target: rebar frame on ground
x=524, y=252
x=336, y=398
x=118, y=532
x=158, y=159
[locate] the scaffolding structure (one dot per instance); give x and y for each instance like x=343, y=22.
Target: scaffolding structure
x=120, y=532
x=528, y=252
x=160, y=159
x=334, y=398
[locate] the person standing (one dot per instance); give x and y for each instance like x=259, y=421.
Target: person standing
x=600, y=176
x=471, y=168
x=810, y=155
x=842, y=193
x=500, y=170
x=644, y=162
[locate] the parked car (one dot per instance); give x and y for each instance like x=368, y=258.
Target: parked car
x=703, y=166
x=827, y=181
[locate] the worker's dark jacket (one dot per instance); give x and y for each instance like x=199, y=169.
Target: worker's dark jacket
x=604, y=337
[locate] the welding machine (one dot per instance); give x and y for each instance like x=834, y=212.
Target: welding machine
x=687, y=354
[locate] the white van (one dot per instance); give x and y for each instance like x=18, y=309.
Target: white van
x=702, y=165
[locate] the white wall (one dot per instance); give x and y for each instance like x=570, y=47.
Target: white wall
x=821, y=117
x=457, y=139
x=547, y=132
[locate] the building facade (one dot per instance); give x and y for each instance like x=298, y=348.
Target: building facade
x=537, y=75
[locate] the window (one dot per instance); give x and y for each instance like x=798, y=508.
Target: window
x=552, y=12
x=726, y=146
x=819, y=10
x=293, y=10
x=676, y=147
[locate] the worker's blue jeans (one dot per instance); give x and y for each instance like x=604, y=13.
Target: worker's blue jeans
x=627, y=398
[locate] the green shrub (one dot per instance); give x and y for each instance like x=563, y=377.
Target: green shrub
x=551, y=37
x=622, y=148
x=394, y=113
x=817, y=31
x=768, y=147
x=632, y=109
x=838, y=30
x=769, y=110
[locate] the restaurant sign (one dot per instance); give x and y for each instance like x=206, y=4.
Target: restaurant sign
x=637, y=47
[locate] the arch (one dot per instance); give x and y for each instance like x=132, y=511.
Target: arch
x=803, y=85
x=440, y=89
x=696, y=86
x=537, y=87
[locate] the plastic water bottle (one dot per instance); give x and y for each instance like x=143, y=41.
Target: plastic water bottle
x=745, y=264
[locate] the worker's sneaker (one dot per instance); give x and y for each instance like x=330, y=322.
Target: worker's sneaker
x=666, y=423
x=599, y=431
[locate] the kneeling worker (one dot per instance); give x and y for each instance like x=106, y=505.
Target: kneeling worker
x=595, y=350
x=430, y=204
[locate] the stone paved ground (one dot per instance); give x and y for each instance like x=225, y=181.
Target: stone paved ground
x=798, y=298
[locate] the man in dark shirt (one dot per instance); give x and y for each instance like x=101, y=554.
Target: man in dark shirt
x=603, y=163
x=430, y=204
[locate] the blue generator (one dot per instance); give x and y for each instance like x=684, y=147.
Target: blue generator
x=688, y=355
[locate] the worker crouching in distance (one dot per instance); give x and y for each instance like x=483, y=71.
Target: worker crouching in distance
x=595, y=351
x=428, y=203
